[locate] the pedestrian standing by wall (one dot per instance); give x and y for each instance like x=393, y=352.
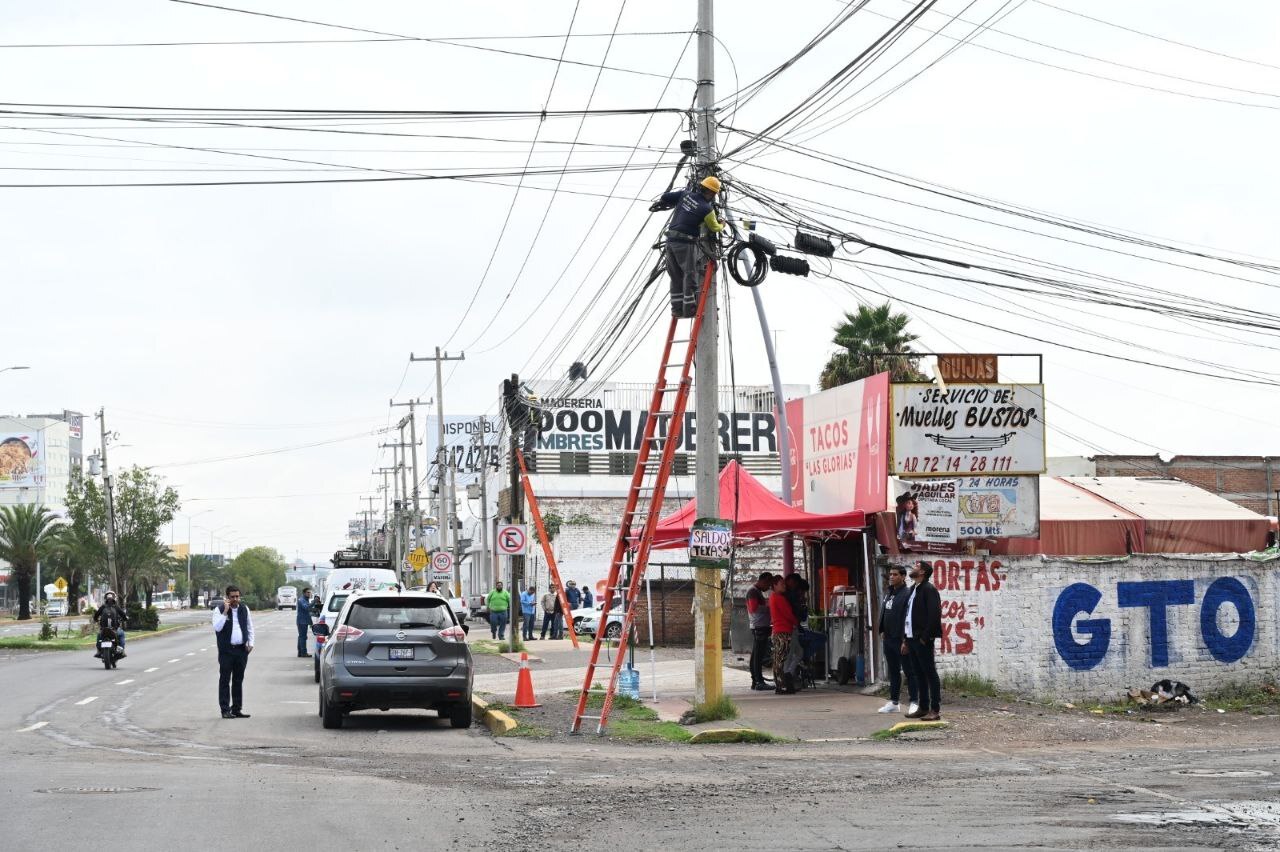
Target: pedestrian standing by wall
x=557, y=619
x=303, y=619
x=782, y=624
x=233, y=627
x=528, y=609
x=758, y=619
x=893, y=619
x=573, y=594
x=548, y=612
x=499, y=604
x=923, y=626
x=587, y=600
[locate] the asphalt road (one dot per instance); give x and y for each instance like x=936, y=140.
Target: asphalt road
x=184, y=776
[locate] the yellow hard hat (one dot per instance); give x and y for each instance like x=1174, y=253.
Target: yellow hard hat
x=712, y=183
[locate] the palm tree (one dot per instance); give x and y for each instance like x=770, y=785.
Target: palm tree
x=28, y=534
x=864, y=339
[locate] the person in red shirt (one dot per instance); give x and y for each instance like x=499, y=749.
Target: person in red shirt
x=783, y=623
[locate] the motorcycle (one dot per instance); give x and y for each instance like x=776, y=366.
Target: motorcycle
x=109, y=648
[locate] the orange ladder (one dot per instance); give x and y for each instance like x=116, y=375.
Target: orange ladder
x=644, y=499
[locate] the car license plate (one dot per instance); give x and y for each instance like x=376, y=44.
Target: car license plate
x=402, y=653
x=104, y=644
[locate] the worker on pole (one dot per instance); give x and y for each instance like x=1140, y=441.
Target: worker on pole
x=686, y=259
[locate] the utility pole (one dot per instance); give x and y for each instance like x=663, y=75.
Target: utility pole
x=515, y=500
x=399, y=552
x=111, y=513
x=486, y=566
x=441, y=452
x=386, y=490
x=368, y=514
x=413, y=445
x=707, y=657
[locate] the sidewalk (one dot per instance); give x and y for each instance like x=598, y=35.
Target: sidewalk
x=827, y=713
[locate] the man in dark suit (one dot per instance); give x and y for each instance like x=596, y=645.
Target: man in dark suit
x=893, y=619
x=923, y=626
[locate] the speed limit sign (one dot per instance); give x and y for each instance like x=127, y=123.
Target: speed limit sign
x=513, y=539
x=442, y=562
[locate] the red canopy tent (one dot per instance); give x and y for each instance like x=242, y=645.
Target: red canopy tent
x=757, y=513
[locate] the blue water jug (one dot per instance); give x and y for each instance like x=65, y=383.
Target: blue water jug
x=629, y=683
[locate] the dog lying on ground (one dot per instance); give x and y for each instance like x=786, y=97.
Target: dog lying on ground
x=1163, y=691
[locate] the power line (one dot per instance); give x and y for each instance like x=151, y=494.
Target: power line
x=562, y=60
x=332, y=40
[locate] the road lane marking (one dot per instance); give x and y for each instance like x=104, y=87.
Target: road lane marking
x=204, y=649
x=123, y=682
x=84, y=701
x=150, y=670
x=37, y=726
x=175, y=659
x=190, y=654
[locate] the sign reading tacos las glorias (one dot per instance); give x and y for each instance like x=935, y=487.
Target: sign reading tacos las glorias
x=967, y=429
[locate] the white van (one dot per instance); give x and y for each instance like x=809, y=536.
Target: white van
x=349, y=579
x=286, y=596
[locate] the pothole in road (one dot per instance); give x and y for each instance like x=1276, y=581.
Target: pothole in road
x=1222, y=773
x=98, y=790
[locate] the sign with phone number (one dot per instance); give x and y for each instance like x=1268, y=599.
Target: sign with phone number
x=967, y=430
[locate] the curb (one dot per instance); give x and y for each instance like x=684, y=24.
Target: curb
x=496, y=721
x=730, y=735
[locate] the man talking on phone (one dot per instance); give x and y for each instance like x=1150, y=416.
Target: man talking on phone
x=233, y=627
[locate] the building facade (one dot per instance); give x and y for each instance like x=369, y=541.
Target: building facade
x=35, y=461
x=1252, y=482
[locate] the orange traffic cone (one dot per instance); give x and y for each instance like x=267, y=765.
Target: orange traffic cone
x=524, y=685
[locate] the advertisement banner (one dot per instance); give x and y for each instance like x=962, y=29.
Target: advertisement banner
x=962, y=430
x=839, y=448
x=357, y=528
x=470, y=440
x=977, y=507
x=21, y=460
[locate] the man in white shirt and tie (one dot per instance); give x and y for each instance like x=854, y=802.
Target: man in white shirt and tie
x=233, y=627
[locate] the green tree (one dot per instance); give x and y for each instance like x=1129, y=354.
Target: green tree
x=864, y=339
x=258, y=571
x=142, y=507
x=28, y=534
x=206, y=577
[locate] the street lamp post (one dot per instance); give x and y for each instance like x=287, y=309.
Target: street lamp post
x=189, y=517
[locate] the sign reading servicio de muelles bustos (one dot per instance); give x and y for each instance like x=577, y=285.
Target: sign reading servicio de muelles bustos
x=967, y=429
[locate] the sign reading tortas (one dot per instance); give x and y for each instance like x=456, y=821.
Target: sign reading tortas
x=967, y=429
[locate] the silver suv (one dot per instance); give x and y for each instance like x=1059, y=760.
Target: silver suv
x=395, y=649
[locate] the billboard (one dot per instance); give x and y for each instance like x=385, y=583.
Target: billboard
x=961, y=430
x=585, y=426
x=470, y=440
x=839, y=444
x=943, y=511
x=21, y=460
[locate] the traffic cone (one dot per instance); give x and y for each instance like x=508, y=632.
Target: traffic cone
x=524, y=685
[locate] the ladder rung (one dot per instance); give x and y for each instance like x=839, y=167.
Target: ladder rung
x=595, y=718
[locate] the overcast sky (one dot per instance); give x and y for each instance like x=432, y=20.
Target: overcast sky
x=222, y=321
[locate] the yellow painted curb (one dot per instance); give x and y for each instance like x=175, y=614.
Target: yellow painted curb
x=917, y=726
x=729, y=735
x=496, y=721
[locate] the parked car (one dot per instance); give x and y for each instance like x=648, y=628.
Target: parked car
x=586, y=621
x=395, y=649
x=334, y=600
x=215, y=603
x=479, y=609
x=56, y=607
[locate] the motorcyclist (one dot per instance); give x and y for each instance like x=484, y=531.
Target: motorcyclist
x=110, y=618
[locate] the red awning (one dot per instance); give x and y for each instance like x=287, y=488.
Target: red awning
x=756, y=511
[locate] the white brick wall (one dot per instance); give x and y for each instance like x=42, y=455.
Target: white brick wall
x=998, y=616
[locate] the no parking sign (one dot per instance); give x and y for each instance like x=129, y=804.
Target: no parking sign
x=513, y=539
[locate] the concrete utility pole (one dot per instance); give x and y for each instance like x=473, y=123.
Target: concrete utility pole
x=368, y=515
x=413, y=446
x=399, y=552
x=111, y=513
x=784, y=433
x=387, y=490
x=707, y=657
x=486, y=567
x=441, y=452
x=516, y=507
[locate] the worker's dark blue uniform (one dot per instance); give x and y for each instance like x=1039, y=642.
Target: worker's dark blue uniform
x=684, y=262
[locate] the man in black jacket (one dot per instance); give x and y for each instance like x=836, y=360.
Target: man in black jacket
x=923, y=626
x=893, y=619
